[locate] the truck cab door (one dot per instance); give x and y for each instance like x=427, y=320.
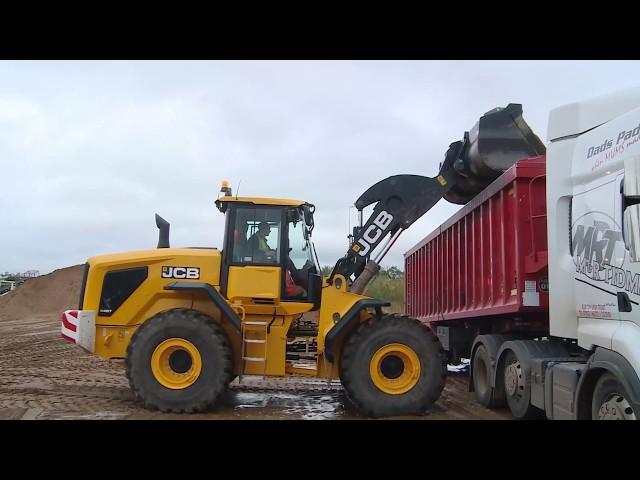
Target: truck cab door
x=598, y=253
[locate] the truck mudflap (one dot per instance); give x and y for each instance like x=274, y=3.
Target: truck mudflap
x=79, y=327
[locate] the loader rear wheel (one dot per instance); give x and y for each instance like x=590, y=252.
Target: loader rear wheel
x=178, y=361
x=393, y=366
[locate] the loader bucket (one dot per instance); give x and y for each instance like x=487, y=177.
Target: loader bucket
x=499, y=139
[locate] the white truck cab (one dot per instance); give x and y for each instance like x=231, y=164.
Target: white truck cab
x=593, y=215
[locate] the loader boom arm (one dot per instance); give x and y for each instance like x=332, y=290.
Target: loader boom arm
x=496, y=141
x=400, y=201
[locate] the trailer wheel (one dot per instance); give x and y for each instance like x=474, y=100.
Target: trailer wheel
x=392, y=366
x=481, y=367
x=178, y=361
x=610, y=400
x=517, y=390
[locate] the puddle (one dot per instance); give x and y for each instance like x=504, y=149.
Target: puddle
x=250, y=400
x=304, y=406
x=314, y=407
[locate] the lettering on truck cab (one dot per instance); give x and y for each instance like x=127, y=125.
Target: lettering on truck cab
x=599, y=252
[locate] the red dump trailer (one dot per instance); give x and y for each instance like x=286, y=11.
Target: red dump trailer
x=484, y=271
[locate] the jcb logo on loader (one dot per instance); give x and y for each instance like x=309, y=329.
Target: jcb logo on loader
x=373, y=233
x=190, y=273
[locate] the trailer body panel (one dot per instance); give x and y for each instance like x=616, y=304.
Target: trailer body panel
x=489, y=260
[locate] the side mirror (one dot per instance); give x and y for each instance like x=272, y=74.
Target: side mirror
x=632, y=232
x=308, y=210
x=631, y=207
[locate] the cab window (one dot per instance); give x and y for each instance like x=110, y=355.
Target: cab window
x=256, y=236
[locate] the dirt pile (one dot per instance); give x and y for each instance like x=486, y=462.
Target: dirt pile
x=49, y=294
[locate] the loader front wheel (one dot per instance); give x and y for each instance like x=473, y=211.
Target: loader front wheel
x=178, y=361
x=393, y=366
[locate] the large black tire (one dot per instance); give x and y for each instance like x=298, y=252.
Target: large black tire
x=361, y=348
x=611, y=400
x=212, y=345
x=519, y=397
x=482, y=371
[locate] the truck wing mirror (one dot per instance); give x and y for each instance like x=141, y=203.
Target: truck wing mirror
x=631, y=231
x=631, y=207
x=632, y=177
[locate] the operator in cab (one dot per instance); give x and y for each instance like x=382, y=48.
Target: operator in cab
x=258, y=245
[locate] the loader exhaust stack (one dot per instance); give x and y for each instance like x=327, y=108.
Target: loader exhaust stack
x=163, y=234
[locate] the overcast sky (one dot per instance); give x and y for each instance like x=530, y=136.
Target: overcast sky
x=90, y=150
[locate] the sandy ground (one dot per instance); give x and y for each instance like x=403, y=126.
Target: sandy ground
x=44, y=377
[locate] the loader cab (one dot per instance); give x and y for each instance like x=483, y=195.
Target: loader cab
x=264, y=239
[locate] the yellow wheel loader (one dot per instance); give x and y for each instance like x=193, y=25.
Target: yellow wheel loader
x=188, y=321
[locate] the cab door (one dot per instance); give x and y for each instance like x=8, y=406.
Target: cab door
x=252, y=275
x=598, y=255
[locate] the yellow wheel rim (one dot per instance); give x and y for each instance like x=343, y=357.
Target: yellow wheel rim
x=176, y=363
x=395, y=369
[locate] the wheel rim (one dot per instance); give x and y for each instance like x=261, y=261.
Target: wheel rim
x=176, y=363
x=513, y=382
x=395, y=369
x=616, y=407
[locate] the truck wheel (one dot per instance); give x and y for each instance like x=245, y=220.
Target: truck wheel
x=481, y=367
x=393, y=365
x=517, y=390
x=178, y=361
x=610, y=400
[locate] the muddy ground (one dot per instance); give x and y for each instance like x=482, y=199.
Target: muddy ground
x=44, y=377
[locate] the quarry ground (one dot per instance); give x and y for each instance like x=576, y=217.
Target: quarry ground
x=44, y=377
